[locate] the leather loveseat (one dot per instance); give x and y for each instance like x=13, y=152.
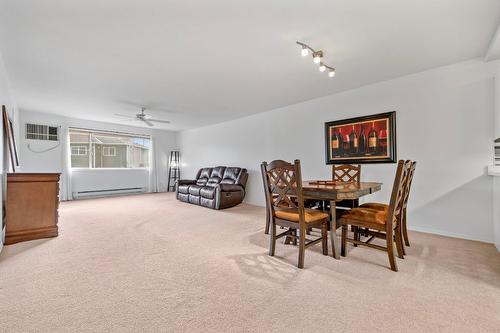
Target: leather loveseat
x=217, y=188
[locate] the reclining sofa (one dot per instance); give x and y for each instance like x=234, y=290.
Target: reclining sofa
x=217, y=188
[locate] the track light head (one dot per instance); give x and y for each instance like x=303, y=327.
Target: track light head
x=305, y=51
x=317, y=57
x=322, y=68
x=331, y=73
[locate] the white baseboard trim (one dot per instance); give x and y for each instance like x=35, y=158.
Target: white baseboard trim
x=449, y=234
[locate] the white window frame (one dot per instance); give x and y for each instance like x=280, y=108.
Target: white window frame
x=108, y=151
x=79, y=150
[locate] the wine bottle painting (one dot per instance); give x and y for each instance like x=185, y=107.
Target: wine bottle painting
x=369, y=139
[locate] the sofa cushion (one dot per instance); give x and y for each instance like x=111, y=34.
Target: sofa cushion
x=194, y=199
x=203, y=177
x=231, y=175
x=216, y=176
x=194, y=189
x=210, y=203
x=183, y=197
x=218, y=172
x=207, y=192
x=183, y=189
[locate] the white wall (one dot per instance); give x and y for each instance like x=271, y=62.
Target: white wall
x=84, y=180
x=444, y=121
x=7, y=99
x=496, y=179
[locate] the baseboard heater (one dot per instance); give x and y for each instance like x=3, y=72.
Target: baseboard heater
x=108, y=192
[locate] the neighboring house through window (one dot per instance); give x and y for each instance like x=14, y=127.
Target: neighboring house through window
x=108, y=151
x=78, y=150
x=99, y=149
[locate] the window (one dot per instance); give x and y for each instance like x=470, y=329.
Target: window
x=78, y=150
x=108, y=151
x=95, y=149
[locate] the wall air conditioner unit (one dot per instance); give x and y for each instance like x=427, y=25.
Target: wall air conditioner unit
x=108, y=192
x=42, y=132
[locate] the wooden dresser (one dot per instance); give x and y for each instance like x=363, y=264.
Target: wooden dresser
x=31, y=205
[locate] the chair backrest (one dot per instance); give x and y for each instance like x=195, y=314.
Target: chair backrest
x=283, y=186
x=397, y=197
x=409, y=180
x=346, y=173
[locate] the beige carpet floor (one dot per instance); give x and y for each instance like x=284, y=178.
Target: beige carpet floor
x=150, y=263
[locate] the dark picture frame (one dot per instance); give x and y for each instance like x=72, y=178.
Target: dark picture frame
x=361, y=140
x=9, y=137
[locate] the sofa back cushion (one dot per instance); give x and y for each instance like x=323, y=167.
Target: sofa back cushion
x=203, y=176
x=216, y=176
x=231, y=175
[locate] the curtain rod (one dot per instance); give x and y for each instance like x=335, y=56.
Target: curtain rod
x=109, y=131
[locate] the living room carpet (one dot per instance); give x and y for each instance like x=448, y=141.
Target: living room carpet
x=151, y=263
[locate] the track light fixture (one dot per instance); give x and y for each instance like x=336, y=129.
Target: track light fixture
x=317, y=58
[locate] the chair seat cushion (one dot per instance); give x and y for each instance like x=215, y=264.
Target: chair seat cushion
x=207, y=192
x=194, y=190
x=366, y=215
x=375, y=205
x=183, y=189
x=292, y=214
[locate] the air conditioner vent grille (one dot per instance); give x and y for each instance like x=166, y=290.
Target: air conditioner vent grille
x=42, y=132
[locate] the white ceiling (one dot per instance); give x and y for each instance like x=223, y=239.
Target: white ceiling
x=210, y=61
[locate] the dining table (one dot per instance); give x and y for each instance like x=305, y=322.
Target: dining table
x=336, y=191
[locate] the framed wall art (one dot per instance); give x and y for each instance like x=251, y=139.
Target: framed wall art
x=368, y=139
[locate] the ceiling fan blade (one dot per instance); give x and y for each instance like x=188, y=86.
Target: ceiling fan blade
x=147, y=122
x=160, y=121
x=124, y=116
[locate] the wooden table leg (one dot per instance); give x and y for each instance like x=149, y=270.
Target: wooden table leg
x=333, y=230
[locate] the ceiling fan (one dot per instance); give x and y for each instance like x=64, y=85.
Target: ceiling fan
x=145, y=118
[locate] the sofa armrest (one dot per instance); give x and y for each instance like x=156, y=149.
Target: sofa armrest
x=186, y=182
x=231, y=188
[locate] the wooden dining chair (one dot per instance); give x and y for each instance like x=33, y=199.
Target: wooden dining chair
x=285, y=204
x=384, y=207
x=347, y=173
x=384, y=224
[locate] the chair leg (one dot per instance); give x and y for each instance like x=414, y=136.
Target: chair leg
x=356, y=234
x=287, y=238
x=272, y=239
x=405, y=230
x=390, y=253
x=324, y=238
x=294, y=242
x=268, y=220
x=344, y=240
x=399, y=242
x=302, y=247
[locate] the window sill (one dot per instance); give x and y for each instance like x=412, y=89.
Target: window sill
x=109, y=169
x=494, y=170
